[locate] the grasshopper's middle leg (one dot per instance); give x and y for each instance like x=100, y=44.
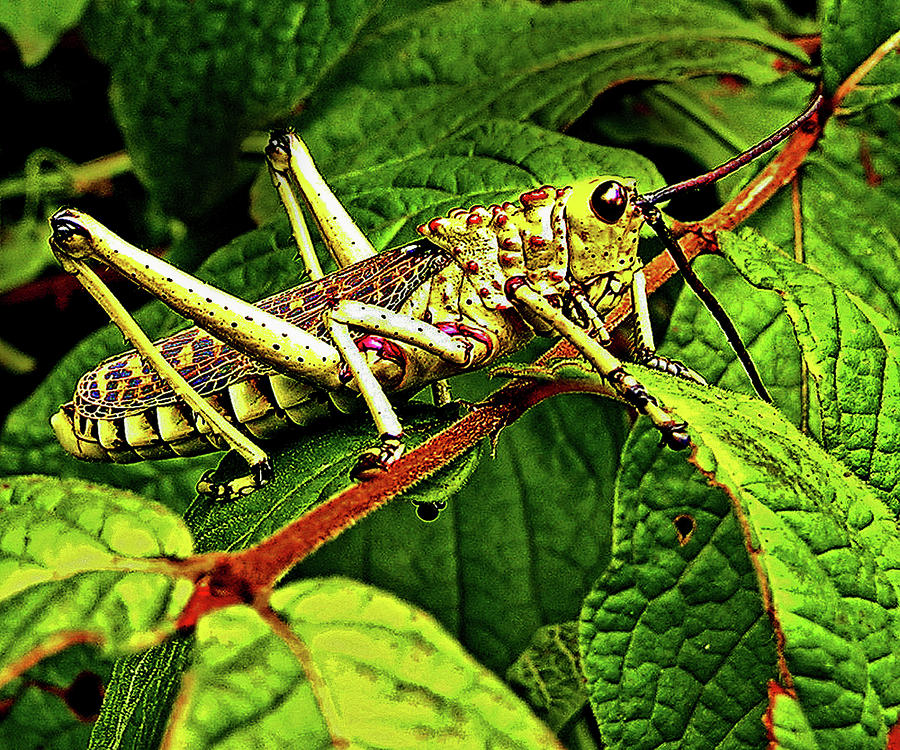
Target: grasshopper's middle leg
x=290, y=166
x=386, y=329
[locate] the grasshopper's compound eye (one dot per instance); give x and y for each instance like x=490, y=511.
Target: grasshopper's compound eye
x=609, y=201
x=66, y=228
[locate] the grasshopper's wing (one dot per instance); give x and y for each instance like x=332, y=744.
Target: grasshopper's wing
x=125, y=384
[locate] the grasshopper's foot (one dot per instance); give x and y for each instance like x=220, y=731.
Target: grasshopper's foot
x=427, y=510
x=631, y=390
x=260, y=475
x=376, y=460
x=654, y=361
x=674, y=434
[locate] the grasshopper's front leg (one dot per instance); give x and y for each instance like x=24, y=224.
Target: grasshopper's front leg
x=642, y=347
x=673, y=433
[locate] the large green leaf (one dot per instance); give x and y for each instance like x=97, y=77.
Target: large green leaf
x=349, y=666
x=674, y=625
x=852, y=353
x=191, y=80
x=459, y=62
x=81, y=563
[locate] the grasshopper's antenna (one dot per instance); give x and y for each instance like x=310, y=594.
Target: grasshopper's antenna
x=732, y=165
x=647, y=205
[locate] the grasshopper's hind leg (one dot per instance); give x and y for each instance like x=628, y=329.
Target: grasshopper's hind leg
x=68, y=234
x=292, y=169
x=291, y=166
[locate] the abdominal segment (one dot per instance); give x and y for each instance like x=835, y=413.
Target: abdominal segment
x=264, y=407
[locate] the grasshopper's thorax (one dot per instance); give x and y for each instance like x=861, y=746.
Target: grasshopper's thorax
x=491, y=245
x=584, y=236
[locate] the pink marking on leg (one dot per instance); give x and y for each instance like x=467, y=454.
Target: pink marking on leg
x=455, y=328
x=384, y=348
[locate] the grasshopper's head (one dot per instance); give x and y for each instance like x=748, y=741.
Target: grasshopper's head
x=603, y=223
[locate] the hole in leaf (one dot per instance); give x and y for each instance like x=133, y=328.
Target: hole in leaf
x=84, y=696
x=684, y=527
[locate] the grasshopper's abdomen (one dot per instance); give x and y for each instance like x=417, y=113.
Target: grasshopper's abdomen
x=263, y=406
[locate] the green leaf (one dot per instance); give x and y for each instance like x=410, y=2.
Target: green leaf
x=548, y=674
x=191, y=80
x=851, y=32
x=460, y=62
x=349, y=665
x=53, y=705
x=24, y=253
x=80, y=563
x=669, y=652
x=36, y=25
x=309, y=471
x=851, y=352
x=142, y=692
x=683, y=648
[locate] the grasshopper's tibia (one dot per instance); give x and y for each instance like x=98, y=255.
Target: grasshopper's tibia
x=625, y=386
x=290, y=164
x=643, y=350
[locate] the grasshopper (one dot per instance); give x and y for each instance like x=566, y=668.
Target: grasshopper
x=477, y=285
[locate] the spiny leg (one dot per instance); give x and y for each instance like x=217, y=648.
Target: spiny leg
x=643, y=348
x=625, y=385
x=260, y=465
x=290, y=163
